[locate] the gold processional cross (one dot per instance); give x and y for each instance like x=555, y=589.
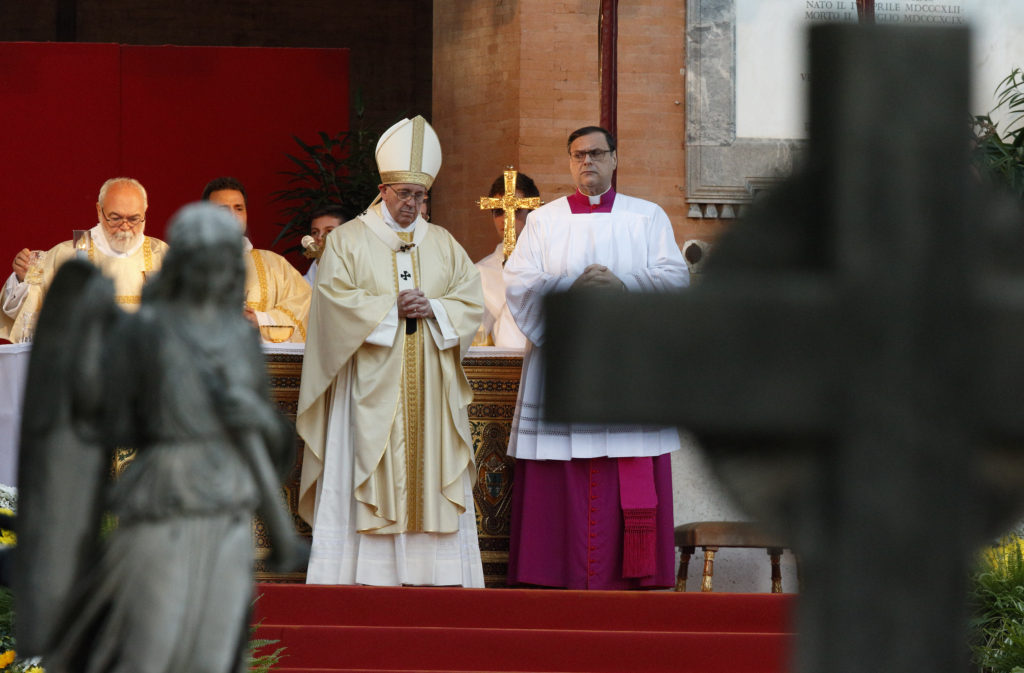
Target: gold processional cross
x=509, y=203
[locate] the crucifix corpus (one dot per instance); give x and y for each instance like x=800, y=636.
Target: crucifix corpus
x=509, y=203
x=852, y=361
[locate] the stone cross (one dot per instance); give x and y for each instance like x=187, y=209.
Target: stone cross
x=509, y=203
x=866, y=11
x=852, y=359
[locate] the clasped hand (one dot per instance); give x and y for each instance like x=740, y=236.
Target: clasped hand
x=414, y=304
x=598, y=275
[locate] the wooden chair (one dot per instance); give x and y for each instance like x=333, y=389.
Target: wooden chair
x=713, y=535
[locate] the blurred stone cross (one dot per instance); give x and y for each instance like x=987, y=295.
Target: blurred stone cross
x=852, y=360
x=509, y=203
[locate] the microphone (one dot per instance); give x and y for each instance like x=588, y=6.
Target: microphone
x=312, y=250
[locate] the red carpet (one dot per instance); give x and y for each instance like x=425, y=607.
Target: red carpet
x=429, y=630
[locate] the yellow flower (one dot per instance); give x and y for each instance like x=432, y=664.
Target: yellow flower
x=1002, y=557
x=7, y=537
x=35, y=669
x=6, y=658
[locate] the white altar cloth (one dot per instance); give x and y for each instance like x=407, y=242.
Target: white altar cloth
x=13, y=370
x=13, y=367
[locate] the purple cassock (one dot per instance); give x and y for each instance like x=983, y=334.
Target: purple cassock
x=591, y=504
x=568, y=527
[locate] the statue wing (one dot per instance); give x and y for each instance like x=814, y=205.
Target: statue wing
x=63, y=466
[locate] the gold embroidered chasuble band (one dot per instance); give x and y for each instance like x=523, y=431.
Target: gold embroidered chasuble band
x=260, y=302
x=412, y=401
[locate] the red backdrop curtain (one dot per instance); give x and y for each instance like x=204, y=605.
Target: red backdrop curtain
x=73, y=115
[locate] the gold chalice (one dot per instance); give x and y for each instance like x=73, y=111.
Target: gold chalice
x=81, y=239
x=276, y=333
x=35, y=268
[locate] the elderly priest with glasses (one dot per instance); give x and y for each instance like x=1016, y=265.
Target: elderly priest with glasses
x=387, y=471
x=117, y=245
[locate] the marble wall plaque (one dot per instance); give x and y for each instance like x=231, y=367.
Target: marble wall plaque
x=748, y=78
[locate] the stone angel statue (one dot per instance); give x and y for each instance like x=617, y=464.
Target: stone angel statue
x=182, y=381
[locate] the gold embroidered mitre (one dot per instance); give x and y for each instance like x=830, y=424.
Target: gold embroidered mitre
x=409, y=152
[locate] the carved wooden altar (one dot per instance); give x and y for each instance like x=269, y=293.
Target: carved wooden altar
x=494, y=377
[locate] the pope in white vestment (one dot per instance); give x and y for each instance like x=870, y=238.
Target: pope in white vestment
x=387, y=469
x=127, y=265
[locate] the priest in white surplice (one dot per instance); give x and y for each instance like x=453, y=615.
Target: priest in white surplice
x=387, y=470
x=591, y=504
x=117, y=245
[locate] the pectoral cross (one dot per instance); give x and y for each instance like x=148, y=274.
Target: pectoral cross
x=509, y=203
x=849, y=380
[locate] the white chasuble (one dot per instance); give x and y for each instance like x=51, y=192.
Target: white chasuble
x=277, y=292
x=636, y=243
x=388, y=467
x=128, y=271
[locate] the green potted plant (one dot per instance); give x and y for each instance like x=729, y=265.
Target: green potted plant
x=997, y=597
x=341, y=170
x=998, y=156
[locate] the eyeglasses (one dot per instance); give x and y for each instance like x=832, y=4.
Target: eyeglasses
x=597, y=155
x=117, y=220
x=406, y=195
x=498, y=212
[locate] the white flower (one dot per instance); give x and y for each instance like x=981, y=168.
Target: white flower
x=8, y=497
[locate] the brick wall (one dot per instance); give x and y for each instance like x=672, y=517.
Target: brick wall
x=475, y=111
x=550, y=49
x=509, y=85
x=28, y=21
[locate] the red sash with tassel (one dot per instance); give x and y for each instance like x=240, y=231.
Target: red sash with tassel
x=639, y=505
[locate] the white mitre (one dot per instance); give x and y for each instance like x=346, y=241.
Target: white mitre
x=409, y=152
